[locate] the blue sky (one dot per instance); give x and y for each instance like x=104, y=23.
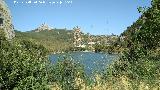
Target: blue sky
x=93, y=16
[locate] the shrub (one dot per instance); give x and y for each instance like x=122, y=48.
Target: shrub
x=22, y=65
x=65, y=73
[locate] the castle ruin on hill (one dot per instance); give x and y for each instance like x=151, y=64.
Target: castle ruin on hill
x=6, y=20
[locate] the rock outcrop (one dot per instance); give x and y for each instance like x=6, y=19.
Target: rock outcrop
x=43, y=27
x=6, y=20
x=77, y=37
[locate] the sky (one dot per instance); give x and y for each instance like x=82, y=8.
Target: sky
x=98, y=17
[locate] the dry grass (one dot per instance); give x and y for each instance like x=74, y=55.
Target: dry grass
x=122, y=83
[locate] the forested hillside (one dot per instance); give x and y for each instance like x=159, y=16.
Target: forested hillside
x=55, y=40
x=61, y=40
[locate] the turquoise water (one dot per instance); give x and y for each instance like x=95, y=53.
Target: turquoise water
x=91, y=61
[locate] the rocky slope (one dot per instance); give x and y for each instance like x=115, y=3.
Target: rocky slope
x=6, y=20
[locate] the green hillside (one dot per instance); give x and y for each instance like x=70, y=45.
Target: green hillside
x=55, y=40
x=61, y=40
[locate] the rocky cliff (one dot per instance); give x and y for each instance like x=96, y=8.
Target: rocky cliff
x=6, y=20
x=43, y=27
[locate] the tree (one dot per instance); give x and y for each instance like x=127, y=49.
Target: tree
x=22, y=65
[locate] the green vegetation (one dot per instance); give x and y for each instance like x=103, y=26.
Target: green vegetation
x=66, y=72
x=24, y=64
x=114, y=45
x=61, y=40
x=140, y=61
x=110, y=49
x=56, y=40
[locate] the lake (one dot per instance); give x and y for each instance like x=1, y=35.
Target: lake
x=91, y=61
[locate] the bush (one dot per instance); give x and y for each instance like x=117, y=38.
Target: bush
x=23, y=65
x=140, y=63
x=66, y=72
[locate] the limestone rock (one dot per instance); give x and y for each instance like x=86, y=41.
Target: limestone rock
x=77, y=37
x=6, y=20
x=43, y=27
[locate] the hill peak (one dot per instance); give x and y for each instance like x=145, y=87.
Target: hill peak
x=43, y=27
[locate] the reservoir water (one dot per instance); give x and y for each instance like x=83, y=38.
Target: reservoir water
x=91, y=61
